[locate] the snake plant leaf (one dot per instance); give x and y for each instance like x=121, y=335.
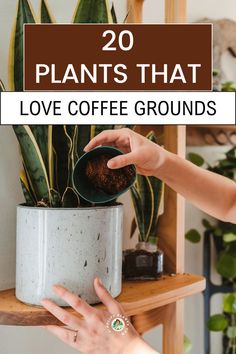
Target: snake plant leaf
x=33, y=161
x=40, y=133
x=113, y=14
x=50, y=157
x=24, y=15
x=93, y=11
x=29, y=183
x=158, y=190
x=28, y=199
x=45, y=14
x=84, y=134
x=70, y=198
x=139, y=212
x=55, y=199
x=61, y=153
x=133, y=228
x=26, y=190
x=147, y=201
x=55, y=170
x=70, y=133
x=2, y=87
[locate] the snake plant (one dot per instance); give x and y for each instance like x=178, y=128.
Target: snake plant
x=49, y=153
x=146, y=196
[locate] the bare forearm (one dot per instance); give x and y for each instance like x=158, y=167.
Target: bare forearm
x=139, y=346
x=214, y=194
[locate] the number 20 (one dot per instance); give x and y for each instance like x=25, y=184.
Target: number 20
x=108, y=46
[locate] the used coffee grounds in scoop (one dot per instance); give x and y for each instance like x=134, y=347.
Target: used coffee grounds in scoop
x=111, y=181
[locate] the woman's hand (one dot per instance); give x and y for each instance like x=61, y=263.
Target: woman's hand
x=93, y=333
x=146, y=155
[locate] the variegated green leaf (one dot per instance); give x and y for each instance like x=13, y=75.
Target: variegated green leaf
x=113, y=14
x=55, y=199
x=50, y=158
x=61, y=153
x=29, y=200
x=139, y=212
x=147, y=201
x=70, y=133
x=158, y=189
x=28, y=183
x=24, y=15
x=70, y=198
x=149, y=191
x=133, y=227
x=2, y=87
x=93, y=11
x=45, y=14
x=40, y=133
x=33, y=161
x=26, y=189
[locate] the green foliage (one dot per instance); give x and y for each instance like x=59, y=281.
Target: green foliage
x=45, y=15
x=217, y=323
x=195, y=159
x=226, y=166
x=193, y=236
x=187, y=345
x=33, y=162
x=24, y=15
x=146, y=196
x=229, y=303
x=2, y=87
x=93, y=11
x=228, y=86
x=49, y=153
x=226, y=265
x=229, y=237
x=225, y=234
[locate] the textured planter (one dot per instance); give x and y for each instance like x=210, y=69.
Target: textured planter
x=69, y=247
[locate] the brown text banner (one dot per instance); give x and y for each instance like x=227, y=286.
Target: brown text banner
x=118, y=57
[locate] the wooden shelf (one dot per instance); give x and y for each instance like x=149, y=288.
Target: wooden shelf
x=137, y=297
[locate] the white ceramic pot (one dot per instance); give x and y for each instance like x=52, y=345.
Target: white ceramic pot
x=69, y=247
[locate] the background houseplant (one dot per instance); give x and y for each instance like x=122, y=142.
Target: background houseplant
x=146, y=261
x=224, y=238
x=58, y=241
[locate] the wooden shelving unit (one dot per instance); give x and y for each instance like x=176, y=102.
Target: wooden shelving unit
x=171, y=227
x=137, y=299
x=149, y=303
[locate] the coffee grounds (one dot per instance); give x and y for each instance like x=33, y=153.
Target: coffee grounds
x=105, y=179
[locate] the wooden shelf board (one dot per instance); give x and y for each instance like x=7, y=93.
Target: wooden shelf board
x=136, y=298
